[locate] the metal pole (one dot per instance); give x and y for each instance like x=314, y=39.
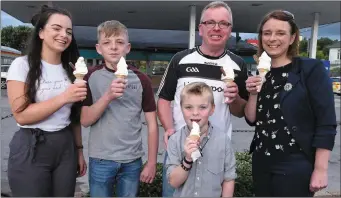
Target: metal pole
x=314, y=33
x=192, y=17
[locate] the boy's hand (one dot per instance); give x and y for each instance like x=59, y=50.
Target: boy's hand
x=116, y=88
x=81, y=164
x=189, y=147
x=148, y=173
x=231, y=92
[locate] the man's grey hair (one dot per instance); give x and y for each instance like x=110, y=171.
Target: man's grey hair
x=217, y=4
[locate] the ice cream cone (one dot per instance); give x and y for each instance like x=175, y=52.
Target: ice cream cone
x=262, y=72
x=194, y=137
x=79, y=76
x=227, y=81
x=121, y=76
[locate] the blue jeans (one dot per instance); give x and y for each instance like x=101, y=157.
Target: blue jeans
x=103, y=174
x=167, y=189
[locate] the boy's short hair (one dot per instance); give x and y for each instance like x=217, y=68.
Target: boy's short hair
x=110, y=28
x=197, y=89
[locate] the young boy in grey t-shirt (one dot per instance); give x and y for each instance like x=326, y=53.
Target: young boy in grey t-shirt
x=212, y=174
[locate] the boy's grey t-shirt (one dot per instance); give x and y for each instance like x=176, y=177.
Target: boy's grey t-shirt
x=218, y=163
x=117, y=134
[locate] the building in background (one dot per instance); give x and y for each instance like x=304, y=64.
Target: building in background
x=335, y=54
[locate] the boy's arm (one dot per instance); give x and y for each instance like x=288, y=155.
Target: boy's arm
x=149, y=170
x=92, y=112
x=175, y=174
x=229, y=169
x=228, y=188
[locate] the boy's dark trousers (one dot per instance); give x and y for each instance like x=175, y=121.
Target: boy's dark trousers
x=288, y=178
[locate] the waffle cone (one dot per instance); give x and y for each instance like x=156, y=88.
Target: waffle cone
x=79, y=76
x=228, y=80
x=121, y=76
x=262, y=72
x=194, y=137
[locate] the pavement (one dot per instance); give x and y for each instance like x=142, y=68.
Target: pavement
x=241, y=138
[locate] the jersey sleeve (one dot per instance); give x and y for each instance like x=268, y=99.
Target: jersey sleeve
x=169, y=81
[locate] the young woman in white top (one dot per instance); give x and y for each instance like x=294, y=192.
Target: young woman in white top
x=46, y=153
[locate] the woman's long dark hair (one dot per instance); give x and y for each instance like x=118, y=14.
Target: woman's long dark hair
x=71, y=54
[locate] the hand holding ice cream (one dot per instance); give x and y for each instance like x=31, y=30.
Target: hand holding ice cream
x=263, y=67
x=121, y=74
x=195, y=137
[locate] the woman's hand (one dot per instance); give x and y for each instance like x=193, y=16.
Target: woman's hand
x=75, y=92
x=252, y=83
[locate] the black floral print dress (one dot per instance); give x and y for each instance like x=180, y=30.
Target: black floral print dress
x=273, y=140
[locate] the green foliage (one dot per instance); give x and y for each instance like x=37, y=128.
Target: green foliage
x=243, y=183
x=322, y=52
x=15, y=37
x=335, y=71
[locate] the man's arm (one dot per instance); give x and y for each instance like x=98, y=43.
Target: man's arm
x=165, y=115
x=237, y=107
x=166, y=94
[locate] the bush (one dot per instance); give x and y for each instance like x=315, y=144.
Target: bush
x=243, y=184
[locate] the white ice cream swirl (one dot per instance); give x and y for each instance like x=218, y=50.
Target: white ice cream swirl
x=80, y=67
x=122, y=67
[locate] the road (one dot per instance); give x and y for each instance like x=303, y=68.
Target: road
x=240, y=140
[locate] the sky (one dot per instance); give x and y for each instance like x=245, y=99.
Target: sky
x=331, y=31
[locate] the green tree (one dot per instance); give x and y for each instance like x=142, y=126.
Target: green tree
x=303, y=47
x=15, y=37
x=322, y=45
x=320, y=55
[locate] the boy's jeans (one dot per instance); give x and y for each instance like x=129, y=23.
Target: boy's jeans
x=167, y=189
x=104, y=173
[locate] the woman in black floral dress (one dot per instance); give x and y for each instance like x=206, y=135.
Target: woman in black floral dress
x=293, y=113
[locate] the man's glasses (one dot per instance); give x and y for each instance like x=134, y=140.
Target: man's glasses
x=212, y=24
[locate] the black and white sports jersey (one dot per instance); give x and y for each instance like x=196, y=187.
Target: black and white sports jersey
x=193, y=66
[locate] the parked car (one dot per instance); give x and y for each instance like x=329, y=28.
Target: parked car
x=158, y=70
x=336, y=85
x=4, y=69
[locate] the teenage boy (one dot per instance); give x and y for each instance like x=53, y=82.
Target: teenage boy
x=113, y=110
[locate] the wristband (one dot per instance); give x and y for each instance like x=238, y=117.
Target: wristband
x=79, y=147
x=187, y=162
x=184, y=167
